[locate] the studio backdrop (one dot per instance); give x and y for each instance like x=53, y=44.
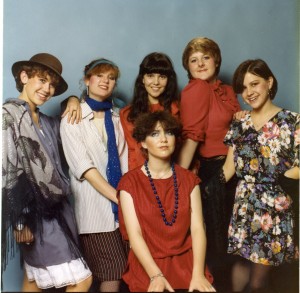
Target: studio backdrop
x=124, y=31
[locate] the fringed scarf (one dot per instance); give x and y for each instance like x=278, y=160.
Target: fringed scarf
x=113, y=168
x=31, y=187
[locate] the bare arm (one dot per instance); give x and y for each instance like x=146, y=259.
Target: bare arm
x=139, y=246
x=94, y=177
x=198, y=281
x=187, y=152
x=292, y=173
x=228, y=167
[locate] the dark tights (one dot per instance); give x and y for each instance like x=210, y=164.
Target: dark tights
x=110, y=286
x=246, y=273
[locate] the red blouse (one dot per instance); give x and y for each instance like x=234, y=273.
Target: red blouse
x=206, y=112
x=170, y=246
x=135, y=156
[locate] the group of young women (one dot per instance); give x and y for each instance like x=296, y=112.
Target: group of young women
x=163, y=188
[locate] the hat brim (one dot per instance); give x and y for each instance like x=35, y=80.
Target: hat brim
x=59, y=89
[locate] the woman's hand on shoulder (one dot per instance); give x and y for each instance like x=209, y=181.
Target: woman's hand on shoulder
x=73, y=110
x=240, y=115
x=160, y=284
x=201, y=284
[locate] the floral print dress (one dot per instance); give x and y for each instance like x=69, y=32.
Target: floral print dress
x=261, y=226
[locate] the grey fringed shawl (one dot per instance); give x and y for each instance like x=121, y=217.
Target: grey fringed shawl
x=32, y=189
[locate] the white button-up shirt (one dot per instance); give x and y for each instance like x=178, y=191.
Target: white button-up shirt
x=84, y=149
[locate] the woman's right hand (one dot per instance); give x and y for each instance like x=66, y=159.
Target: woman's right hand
x=160, y=284
x=24, y=235
x=240, y=115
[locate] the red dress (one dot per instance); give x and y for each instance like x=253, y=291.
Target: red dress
x=135, y=156
x=206, y=112
x=170, y=246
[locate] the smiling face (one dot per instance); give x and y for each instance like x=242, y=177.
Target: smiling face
x=202, y=66
x=101, y=85
x=37, y=89
x=160, y=143
x=155, y=84
x=256, y=90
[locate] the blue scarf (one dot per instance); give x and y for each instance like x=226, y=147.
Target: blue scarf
x=113, y=168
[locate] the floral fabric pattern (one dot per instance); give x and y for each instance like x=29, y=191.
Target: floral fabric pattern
x=261, y=226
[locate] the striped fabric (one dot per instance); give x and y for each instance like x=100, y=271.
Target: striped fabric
x=105, y=254
x=85, y=148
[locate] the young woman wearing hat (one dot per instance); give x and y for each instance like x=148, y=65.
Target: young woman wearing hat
x=97, y=155
x=35, y=190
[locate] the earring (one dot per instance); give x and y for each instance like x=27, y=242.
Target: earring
x=87, y=90
x=270, y=93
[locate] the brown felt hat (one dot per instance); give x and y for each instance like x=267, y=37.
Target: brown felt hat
x=50, y=62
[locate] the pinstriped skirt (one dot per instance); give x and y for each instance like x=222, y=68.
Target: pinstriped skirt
x=106, y=254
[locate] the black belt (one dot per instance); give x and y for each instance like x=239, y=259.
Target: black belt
x=216, y=158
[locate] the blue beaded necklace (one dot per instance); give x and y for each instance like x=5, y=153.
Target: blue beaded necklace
x=162, y=211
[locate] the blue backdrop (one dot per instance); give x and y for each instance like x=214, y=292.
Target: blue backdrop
x=126, y=30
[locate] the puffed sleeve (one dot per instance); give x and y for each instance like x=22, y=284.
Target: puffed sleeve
x=194, y=109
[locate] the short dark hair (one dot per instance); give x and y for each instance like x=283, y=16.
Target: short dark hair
x=257, y=67
x=32, y=71
x=145, y=124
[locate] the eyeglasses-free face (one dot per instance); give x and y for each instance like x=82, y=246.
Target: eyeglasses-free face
x=155, y=84
x=101, y=85
x=202, y=66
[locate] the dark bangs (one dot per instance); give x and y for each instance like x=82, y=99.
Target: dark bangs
x=157, y=63
x=157, y=68
x=146, y=123
x=256, y=67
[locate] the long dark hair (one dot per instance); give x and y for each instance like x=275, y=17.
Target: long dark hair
x=154, y=63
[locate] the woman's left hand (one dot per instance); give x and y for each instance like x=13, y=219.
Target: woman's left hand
x=160, y=284
x=73, y=110
x=201, y=284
